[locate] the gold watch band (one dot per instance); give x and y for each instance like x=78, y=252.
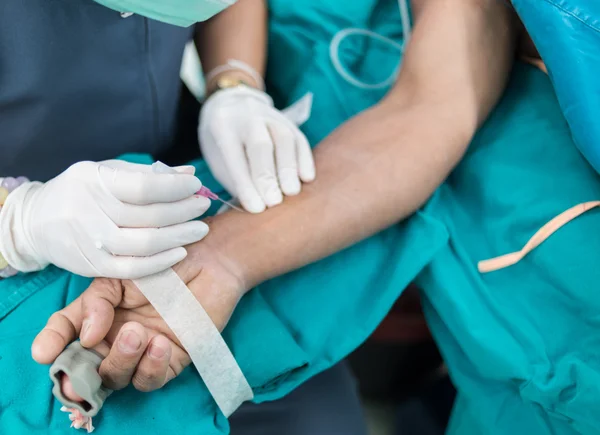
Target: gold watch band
x=229, y=82
x=225, y=82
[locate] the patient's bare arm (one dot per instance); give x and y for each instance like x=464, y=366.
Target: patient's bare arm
x=381, y=166
x=374, y=171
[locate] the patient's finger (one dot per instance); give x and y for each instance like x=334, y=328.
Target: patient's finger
x=98, y=304
x=67, y=389
x=62, y=328
x=151, y=372
x=119, y=366
x=65, y=325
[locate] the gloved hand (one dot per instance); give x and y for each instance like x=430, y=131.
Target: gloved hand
x=253, y=149
x=110, y=219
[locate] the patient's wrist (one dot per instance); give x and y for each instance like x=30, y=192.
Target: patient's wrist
x=216, y=254
x=213, y=279
x=234, y=249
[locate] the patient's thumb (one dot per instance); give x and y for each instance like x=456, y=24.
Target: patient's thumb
x=47, y=346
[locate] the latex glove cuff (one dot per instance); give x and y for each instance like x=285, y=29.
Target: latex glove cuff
x=227, y=95
x=16, y=245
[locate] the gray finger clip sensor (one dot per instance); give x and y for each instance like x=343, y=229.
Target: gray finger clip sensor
x=81, y=366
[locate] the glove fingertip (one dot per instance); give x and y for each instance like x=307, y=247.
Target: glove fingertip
x=169, y=259
x=192, y=183
x=273, y=198
x=308, y=175
x=186, y=169
x=198, y=231
x=292, y=188
x=253, y=205
x=289, y=181
x=255, y=209
x=179, y=254
x=203, y=205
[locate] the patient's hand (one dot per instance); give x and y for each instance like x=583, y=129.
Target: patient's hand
x=114, y=318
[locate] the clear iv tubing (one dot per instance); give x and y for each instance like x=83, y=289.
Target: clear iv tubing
x=334, y=49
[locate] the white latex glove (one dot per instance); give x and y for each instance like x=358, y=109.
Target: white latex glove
x=253, y=149
x=111, y=219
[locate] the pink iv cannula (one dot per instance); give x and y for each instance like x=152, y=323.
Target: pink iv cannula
x=160, y=167
x=207, y=193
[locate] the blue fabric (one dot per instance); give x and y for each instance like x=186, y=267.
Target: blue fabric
x=299, y=61
x=282, y=333
x=567, y=35
x=328, y=404
x=81, y=83
x=522, y=343
x=183, y=13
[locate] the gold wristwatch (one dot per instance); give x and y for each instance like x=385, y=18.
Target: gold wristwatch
x=226, y=82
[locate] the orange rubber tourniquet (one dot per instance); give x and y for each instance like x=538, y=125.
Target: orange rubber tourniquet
x=537, y=62
x=538, y=238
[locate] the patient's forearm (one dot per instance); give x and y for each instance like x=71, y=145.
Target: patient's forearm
x=374, y=171
x=382, y=165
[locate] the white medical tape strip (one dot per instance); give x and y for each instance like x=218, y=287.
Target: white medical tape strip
x=201, y=339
